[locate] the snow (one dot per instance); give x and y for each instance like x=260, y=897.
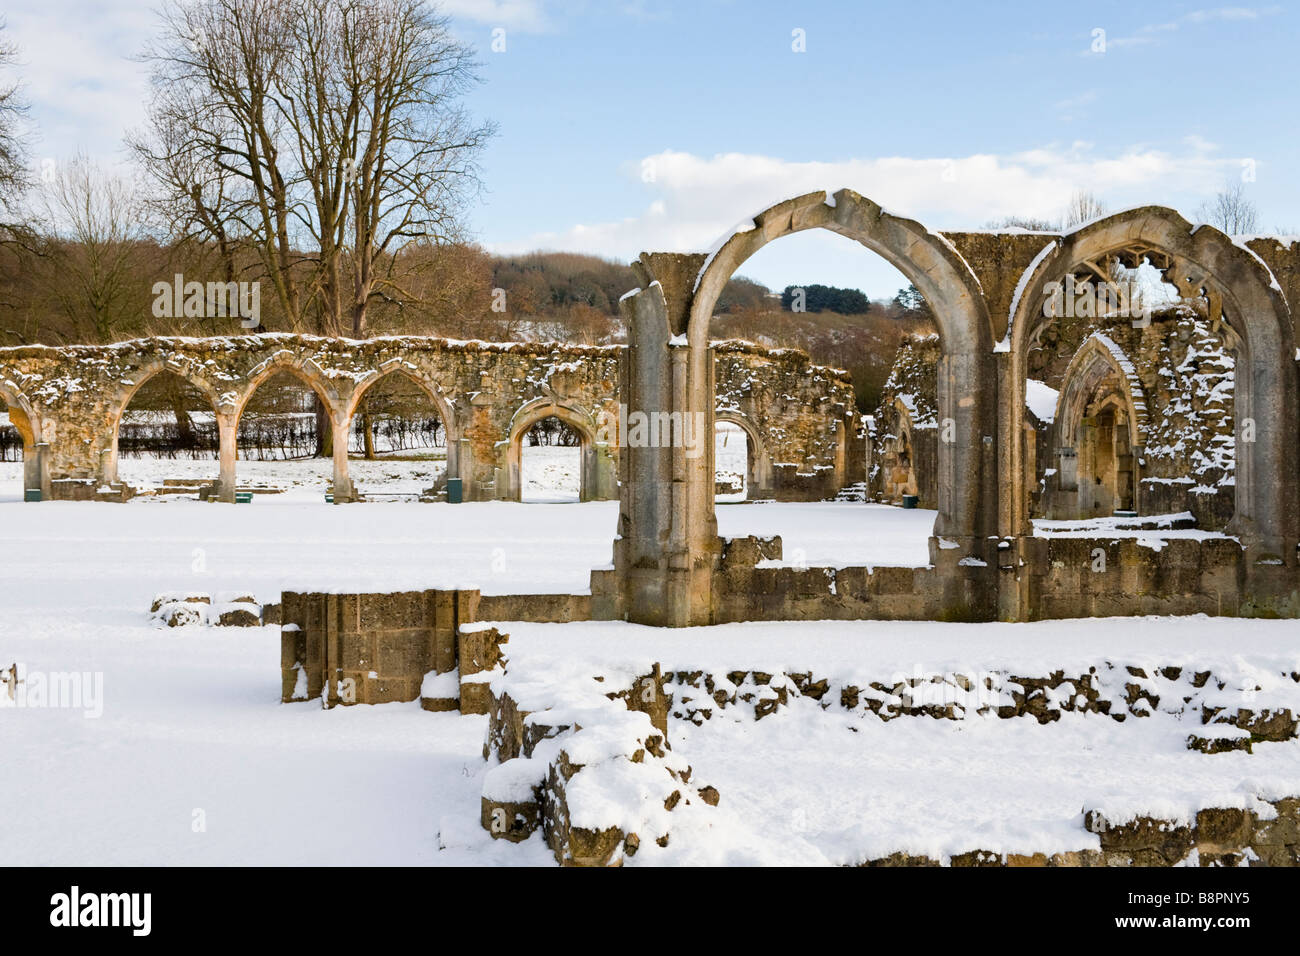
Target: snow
x=1040, y=398
x=814, y=786
x=1152, y=531
x=191, y=728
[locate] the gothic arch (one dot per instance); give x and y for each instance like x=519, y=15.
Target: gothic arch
x=1097, y=358
x=423, y=382
x=139, y=378
x=1201, y=260
x=304, y=369
x=967, y=383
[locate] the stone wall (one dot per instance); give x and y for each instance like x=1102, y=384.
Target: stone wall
x=905, y=453
x=486, y=394
x=380, y=647
x=799, y=419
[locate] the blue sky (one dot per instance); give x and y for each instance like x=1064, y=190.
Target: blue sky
x=659, y=125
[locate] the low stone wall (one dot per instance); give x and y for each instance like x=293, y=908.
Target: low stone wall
x=537, y=722
x=384, y=647
x=367, y=648
x=1217, y=836
x=1053, y=578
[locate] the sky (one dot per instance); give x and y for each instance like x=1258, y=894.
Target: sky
x=630, y=125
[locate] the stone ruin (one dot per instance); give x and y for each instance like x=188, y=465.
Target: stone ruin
x=1011, y=414
x=67, y=404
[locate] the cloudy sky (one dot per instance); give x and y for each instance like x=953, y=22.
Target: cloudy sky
x=660, y=124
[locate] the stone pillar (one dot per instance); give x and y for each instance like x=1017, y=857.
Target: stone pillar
x=108, y=465
x=469, y=488
x=605, y=484
x=342, y=483
x=668, y=544
x=36, y=469
x=227, y=454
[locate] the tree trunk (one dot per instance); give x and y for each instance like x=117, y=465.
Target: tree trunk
x=324, y=429
x=368, y=434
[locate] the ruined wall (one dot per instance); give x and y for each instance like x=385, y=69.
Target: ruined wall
x=1183, y=374
x=487, y=394
x=801, y=416
x=905, y=453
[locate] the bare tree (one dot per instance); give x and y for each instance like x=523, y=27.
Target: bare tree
x=1230, y=211
x=334, y=129
x=1083, y=206
x=95, y=234
x=1029, y=223
x=214, y=117
x=13, y=152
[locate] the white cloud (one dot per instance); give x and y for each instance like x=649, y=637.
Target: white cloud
x=525, y=15
x=1150, y=33
x=696, y=199
x=74, y=62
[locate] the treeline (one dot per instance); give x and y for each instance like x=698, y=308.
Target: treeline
x=862, y=343
x=824, y=298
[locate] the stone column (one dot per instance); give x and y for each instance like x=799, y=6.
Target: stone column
x=342, y=483
x=227, y=454
x=108, y=465
x=36, y=471
x=667, y=545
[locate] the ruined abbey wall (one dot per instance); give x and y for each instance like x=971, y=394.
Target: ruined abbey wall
x=487, y=395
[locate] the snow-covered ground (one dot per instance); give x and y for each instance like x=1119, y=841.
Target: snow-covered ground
x=190, y=719
x=551, y=473
x=814, y=786
x=191, y=731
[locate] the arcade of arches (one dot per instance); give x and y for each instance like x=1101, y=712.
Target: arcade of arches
x=78, y=409
x=1018, y=414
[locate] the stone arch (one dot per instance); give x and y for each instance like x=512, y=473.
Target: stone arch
x=758, y=477
x=1096, y=359
x=967, y=383
x=311, y=375
x=427, y=385
x=593, y=483
x=1267, y=491
x=1100, y=397
x=26, y=421
x=304, y=369
x=126, y=392
x=443, y=405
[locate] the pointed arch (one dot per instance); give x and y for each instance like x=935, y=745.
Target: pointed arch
x=1201, y=259
x=967, y=392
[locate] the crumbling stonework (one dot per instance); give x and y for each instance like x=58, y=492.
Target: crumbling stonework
x=67, y=403
x=797, y=417
x=988, y=293
x=905, y=455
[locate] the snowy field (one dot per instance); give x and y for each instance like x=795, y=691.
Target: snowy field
x=190, y=730
x=190, y=717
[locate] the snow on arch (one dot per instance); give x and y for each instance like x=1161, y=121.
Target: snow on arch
x=1041, y=399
